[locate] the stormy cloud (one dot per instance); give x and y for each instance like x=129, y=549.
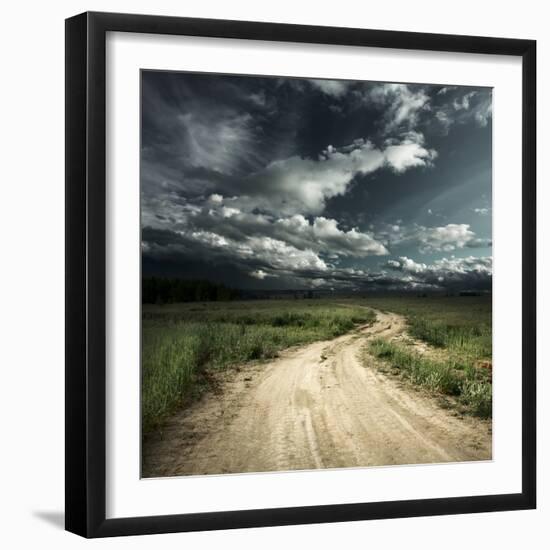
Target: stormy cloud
x=280, y=183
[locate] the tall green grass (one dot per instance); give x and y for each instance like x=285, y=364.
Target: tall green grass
x=460, y=324
x=471, y=386
x=181, y=344
x=461, y=328
x=472, y=340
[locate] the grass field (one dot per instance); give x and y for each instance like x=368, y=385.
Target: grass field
x=181, y=343
x=459, y=330
x=461, y=324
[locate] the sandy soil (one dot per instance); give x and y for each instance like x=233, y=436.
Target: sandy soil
x=323, y=405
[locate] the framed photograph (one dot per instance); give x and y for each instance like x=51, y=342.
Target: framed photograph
x=300, y=274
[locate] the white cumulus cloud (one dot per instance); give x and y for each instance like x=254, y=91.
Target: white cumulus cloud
x=469, y=272
x=445, y=238
x=302, y=185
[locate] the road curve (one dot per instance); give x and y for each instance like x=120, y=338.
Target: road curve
x=323, y=405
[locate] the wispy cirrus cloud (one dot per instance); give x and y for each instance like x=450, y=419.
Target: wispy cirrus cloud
x=402, y=105
x=458, y=106
x=482, y=211
x=332, y=88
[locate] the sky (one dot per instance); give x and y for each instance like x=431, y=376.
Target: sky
x=285, y=183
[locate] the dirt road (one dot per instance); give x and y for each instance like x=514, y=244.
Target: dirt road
x=319, y=406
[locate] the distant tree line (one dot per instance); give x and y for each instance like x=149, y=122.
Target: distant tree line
x=159, y=290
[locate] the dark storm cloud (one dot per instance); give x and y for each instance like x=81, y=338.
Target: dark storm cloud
x=289, y=183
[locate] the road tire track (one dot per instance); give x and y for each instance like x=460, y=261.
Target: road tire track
x=323, y=405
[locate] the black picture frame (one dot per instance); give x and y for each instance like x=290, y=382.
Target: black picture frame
x=85, y=274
